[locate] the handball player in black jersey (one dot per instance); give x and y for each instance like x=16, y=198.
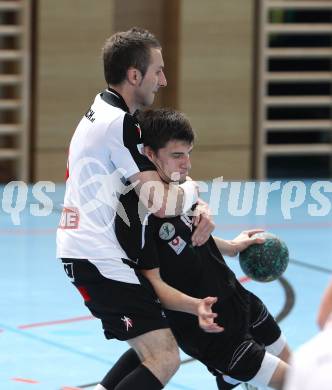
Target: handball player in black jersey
x=251, y=348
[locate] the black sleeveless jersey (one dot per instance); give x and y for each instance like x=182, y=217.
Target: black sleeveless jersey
x=151, y=242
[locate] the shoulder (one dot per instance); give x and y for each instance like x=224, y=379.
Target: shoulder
x=131, y=130
x=105, y=115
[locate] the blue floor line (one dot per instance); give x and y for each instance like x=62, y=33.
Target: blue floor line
x=55, y=344
x=73, y=350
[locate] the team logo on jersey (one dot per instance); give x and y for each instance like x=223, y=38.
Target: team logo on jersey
x=90, y=115
x=128, y=322
x=70, y=218
x=177, y=244
x=167, y=231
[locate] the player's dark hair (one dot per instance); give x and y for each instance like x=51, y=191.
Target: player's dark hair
x=127, y=49
x=163, y=125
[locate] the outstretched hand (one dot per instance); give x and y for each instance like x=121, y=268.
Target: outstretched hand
x=245, y=239
x=206, y=316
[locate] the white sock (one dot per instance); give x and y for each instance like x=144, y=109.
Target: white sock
x=99, y=387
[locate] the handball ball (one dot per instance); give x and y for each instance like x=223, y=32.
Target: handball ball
x=265, y=262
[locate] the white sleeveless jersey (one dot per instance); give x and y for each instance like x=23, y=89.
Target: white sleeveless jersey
x=104, y=152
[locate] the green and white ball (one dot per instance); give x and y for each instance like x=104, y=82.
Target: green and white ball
x=265, y=262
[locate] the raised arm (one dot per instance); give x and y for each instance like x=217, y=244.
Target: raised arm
x=161, y=198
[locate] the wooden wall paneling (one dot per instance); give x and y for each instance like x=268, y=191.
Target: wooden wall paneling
x=69, y=72
x=171, y=51
x=215, y=81
x=51, y=164
x=161, y=17
x=141, y=13
x=215, y=77
x=210, y=163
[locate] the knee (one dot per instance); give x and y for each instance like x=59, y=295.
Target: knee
x=159, y=352
x=285, y=354
x=172, y=360
x=279, y=375
x=167, y=361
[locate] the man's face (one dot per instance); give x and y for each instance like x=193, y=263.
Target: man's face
x=153, y=79
x=173, y=161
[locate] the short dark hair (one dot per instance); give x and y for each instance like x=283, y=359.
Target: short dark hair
x=163, y=125
x=127, y=49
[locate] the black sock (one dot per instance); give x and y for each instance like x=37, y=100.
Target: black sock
x=140, y=378
x=124, y=366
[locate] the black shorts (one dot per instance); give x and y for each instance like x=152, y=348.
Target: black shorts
x=238, y=351
x=126, y=310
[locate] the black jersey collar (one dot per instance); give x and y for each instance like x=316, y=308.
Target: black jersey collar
x=113, y=97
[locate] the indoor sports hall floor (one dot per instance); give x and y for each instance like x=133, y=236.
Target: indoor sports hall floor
x=49, y=341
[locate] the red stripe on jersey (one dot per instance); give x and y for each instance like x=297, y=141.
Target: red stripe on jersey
x=67, y=167
x=67, y=172
x=84, y=292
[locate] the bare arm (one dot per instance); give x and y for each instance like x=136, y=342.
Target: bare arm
x=161, y=198
x=239, y=243
x=325, y=308
x=203, y=222
x=167, y=199
x=173, y=299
